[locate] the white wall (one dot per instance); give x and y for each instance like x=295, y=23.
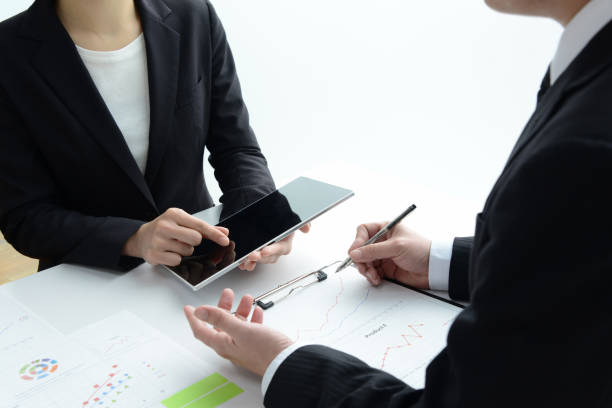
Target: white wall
x=433, y=92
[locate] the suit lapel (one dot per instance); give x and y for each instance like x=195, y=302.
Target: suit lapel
x=590, y=62
x=58, y=62
x=163, y=45
x=547, y=101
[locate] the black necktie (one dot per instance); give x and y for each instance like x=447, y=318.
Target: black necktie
x=544, y=86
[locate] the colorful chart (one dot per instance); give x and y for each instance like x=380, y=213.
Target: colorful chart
x=38, y=369
x=210, y=392
x=153, y=370
x=107, y=391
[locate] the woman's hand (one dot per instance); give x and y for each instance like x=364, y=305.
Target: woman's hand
x=172, y=235
x=402, y=255
x=248, y=344
x=271, y=253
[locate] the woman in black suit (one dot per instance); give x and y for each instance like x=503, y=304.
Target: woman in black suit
x=106, y=108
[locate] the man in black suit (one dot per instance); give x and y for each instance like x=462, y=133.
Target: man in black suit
x=88, y=177
x=537, y=273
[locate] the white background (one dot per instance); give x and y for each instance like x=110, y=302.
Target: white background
x=432, y=93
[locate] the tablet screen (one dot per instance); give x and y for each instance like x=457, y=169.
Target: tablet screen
x=267, y=220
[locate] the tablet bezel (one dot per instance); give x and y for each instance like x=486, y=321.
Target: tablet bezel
x=214, y=212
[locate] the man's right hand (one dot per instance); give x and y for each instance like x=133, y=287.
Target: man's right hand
x=170, y=236
x=402, y=255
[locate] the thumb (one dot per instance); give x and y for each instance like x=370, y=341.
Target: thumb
x=220, y=319
x=373, y=252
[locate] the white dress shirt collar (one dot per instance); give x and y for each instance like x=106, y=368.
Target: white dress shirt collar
x=577, y=34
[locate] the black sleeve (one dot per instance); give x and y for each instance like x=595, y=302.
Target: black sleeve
x=458, y=280
x=537, y=331
x=331, y=378
x=240, y=167
x=32, y=216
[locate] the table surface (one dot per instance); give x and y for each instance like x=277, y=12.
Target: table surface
x=71, y=296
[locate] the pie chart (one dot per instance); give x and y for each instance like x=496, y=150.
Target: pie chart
x=38, y=369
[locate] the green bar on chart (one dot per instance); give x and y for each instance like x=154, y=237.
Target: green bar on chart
x=195, y=391
x=217, y=397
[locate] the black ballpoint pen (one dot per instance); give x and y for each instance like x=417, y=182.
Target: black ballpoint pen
x=379, y=234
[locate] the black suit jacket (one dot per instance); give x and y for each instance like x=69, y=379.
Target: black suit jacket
x=70, y=190
x=538, y=330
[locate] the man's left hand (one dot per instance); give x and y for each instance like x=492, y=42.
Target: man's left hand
x=271, y=253
x=248, y=344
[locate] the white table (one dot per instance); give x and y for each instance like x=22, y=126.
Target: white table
x=71, y=296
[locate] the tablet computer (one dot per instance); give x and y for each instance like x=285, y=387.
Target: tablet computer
x=261, y=223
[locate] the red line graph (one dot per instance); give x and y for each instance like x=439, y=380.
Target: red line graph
x=99, y=387
x=300, y=331
x=405, y=337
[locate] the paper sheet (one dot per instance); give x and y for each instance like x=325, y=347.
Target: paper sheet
x=118, y=362
x=389, y=327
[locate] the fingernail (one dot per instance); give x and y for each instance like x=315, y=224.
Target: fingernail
x=355, y=254
x=202, y=314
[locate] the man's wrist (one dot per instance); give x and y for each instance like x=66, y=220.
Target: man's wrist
x=275, y=364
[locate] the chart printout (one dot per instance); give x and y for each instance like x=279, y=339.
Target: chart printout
x=389, y=327
x=21, y=329
x=30, y=350
x=119, y=362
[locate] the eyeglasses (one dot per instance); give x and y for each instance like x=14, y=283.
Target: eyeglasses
x=288, y=288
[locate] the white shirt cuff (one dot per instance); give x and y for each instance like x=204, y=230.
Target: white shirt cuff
x=439, y=264
x=278, y=360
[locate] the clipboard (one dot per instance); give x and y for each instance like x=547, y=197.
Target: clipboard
x=268, y=299
x=392, y=327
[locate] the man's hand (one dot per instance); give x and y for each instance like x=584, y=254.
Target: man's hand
x=248, y=344
x=271, y=253
x=170, y=236
x=403, y=255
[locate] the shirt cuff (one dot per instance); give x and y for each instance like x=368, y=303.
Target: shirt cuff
x=278, y=360
x=439, y=264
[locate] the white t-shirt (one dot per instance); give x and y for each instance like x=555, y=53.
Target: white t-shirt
x=121, y=77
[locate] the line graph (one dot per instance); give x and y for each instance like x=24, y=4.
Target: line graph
x=332, y=307
x=113, y=384
x=345, y=318
x=5, y=328
x=406, y=342
x=387, y=326
x=117, y=342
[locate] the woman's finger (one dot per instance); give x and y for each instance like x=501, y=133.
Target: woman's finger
x=279, y=248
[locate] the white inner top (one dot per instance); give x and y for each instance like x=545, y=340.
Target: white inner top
x=121, y=77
